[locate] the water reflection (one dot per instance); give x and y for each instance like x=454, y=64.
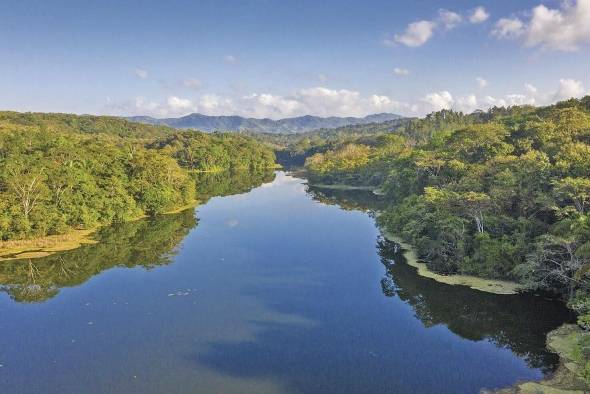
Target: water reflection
x=144, y=243
x=226, y=183
x=517, y=322
x=272, y=292
x=350, y=200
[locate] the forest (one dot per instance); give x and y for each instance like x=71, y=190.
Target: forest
x=502, y=194
x=61, y=172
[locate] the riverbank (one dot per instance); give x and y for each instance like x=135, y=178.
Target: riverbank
x=568, y=342
x=341, y=187
x=474, y=282
x=46, y=246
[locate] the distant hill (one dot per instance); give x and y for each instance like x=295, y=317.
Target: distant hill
x=299, y=124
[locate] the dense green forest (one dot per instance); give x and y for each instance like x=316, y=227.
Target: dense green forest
x=60, y=172
x=292, y=149
x=498, y=194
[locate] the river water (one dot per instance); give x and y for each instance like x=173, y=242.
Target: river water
x=280, y=289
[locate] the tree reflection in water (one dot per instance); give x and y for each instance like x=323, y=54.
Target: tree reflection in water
x=517, y=322
x=147, y=243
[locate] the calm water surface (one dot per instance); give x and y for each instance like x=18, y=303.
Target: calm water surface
x=283, y=289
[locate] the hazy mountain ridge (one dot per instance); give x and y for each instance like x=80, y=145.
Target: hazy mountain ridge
x=299, y=124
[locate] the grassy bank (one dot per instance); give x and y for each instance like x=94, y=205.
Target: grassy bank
x=474, y=282
x=569, y=342
x=45, y=246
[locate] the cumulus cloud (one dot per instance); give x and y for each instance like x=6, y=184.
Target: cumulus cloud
x=323, y=101
x=569, y=88
x=319, y=101
x=439, y=100
x=177, y=104
x=449, y=19
x=230, y=58
x=141, y=73
x=416, y=34
x=481, y=82
x=479, y=15
x=466, y=104
x=192, y=83
x=508, y=28
x=401, y=71
x=531, y=89
x=564, y=29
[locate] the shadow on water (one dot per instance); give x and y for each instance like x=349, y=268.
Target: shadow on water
x=517, y=322
x=339, y=352
x=300, y=296
x=350, y=200
x=146, y=243
x=326, y=351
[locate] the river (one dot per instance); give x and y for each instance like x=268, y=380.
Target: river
x=279, y=289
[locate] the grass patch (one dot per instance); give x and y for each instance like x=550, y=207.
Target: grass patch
x=474, y=282
x=44, y=246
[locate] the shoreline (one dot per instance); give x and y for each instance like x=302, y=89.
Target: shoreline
x=563, y=341
x=495, y=286
x=568, y=377
x=341, y=187
x=45, y=246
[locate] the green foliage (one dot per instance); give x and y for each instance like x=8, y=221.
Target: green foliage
x=215, y=152
x=60, y=172
x=146, y=243
x=500, y=194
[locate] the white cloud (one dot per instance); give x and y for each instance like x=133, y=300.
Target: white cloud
x=416, y=34
x=439, y=100
x=466, y=104
x=508, y=28
x=177, y=104
x=569, y=88
x=319, y=101
x=192, y=83
x=401, y=71
x=323, y=101
x=479, y=15
x=531, y=89
x=481, y=82
x=449, y=19
x=267, y=105
x=141, y=103
x=141, y=73
x=507, y=100
x=564, y=29
x=230, y=58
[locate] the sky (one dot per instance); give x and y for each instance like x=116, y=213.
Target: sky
x=285, y=58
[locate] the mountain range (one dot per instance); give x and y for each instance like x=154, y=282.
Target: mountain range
x=299, y=124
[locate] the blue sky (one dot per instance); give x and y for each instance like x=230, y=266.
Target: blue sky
x=276, y=58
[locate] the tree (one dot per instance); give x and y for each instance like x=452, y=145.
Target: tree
x=26, y=182
x=574, y=190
